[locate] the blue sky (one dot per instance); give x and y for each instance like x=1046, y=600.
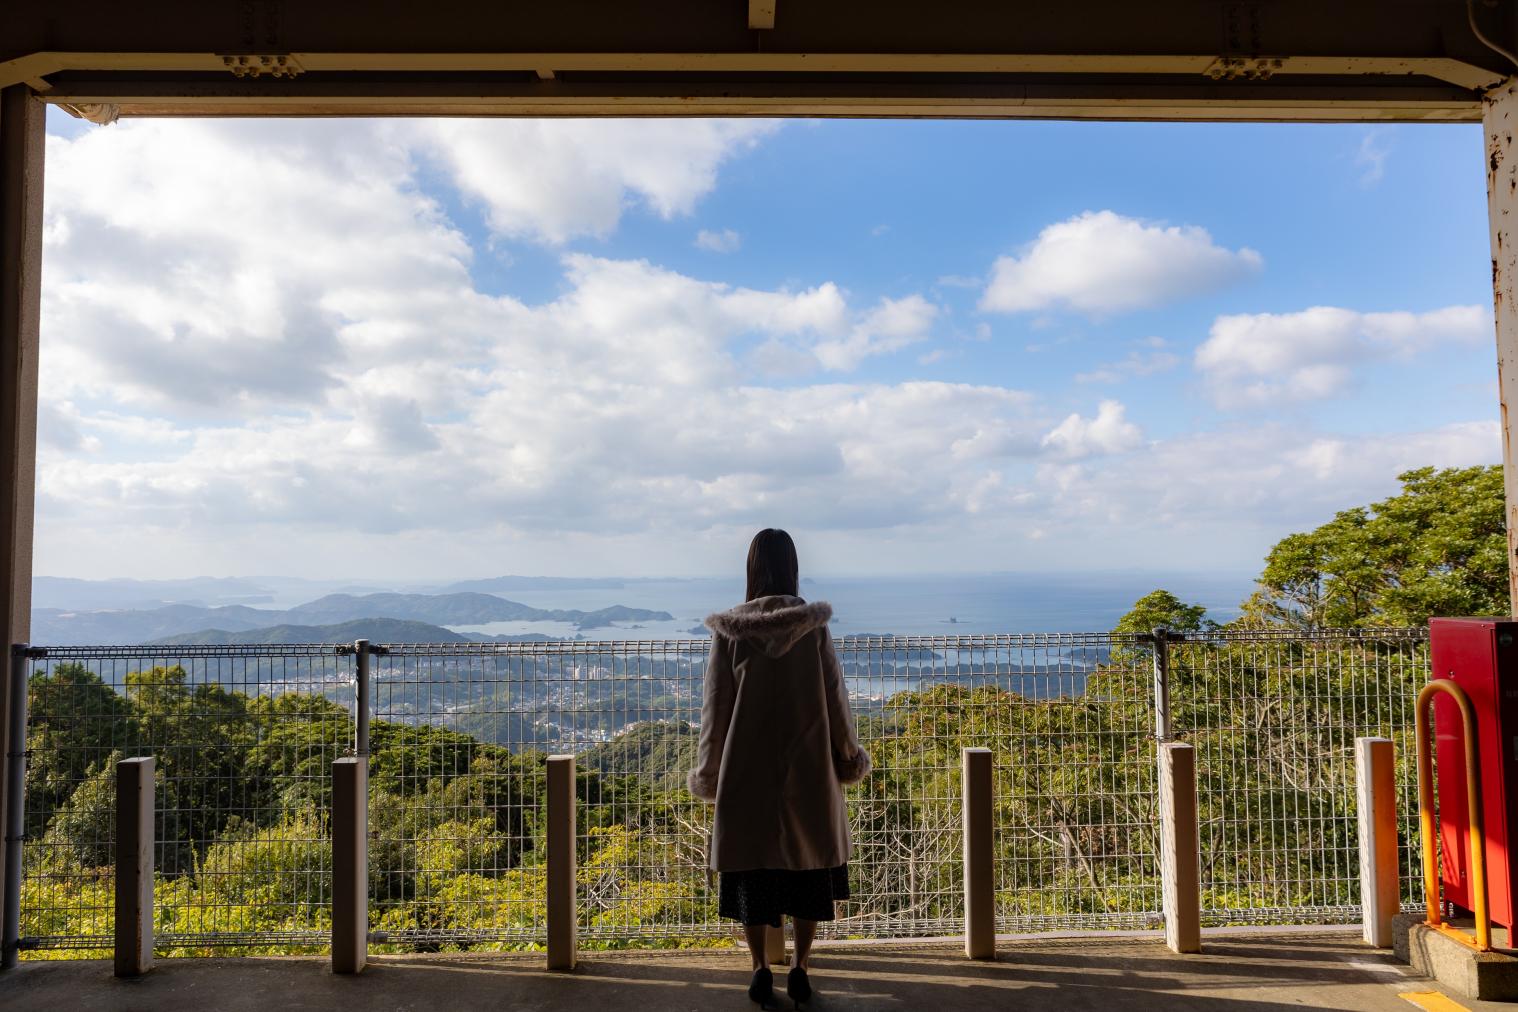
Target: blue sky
x=454, y=349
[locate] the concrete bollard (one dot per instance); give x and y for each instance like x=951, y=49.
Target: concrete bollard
x=1180, y=848
x=350, y=864
x=979, y=870
x=134, y=866
x=1376, y=795
x=774, y=943
x=562, y=913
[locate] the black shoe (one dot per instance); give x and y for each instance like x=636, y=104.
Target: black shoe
x=797, y=986
x=762, y=988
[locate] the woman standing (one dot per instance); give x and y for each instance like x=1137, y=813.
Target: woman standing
x=777, y=744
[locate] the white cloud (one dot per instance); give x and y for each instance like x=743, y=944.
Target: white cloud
x=1100, y=263
x=213, y=265
x=1135, y=364
x=244, y=326
x=1371, y=156
x=1108, y=432
x=891, y=325
x=1254, y=483
x=1269, y=358
x=725, y=241
x=959, y=281
x=552, y=180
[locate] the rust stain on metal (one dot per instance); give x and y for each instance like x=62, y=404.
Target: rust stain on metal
x=1502, y=207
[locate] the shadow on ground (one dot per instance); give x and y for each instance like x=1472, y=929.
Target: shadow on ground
x=1239, y=975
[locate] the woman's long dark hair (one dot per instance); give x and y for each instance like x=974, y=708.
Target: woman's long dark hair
x=772, y=565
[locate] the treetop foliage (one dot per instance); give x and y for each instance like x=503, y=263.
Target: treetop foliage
x=1436, y=548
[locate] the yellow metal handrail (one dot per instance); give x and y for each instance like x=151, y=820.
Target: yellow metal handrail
x=1426, y=696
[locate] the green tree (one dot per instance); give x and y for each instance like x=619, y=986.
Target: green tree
x=81, y=833
x=1162, y=608
x=1439, y=547
x=74, y=720
x=200, y=735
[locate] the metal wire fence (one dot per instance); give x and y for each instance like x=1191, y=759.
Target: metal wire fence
x=1274, y=715
x=458, y=789
x=1069, y=721
x=245, y=737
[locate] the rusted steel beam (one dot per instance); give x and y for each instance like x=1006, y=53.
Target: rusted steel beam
x=1128, y=99
x=1209, y=64
x=1500, y=119
x=1281, y=28
x=826, y=57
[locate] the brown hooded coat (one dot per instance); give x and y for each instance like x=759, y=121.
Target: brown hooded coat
x=777, y=739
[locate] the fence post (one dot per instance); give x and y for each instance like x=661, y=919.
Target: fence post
x=350, y=864
x=562, y=915
x=134, y=866
x=350, y=832
x=15, y=804
x=1161, y=637
x=1180, y=846
x=979, y=875
x=1376, y=796
x=361, y=654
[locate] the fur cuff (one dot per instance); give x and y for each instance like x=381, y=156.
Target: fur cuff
x=851, y=771
x=703, y=787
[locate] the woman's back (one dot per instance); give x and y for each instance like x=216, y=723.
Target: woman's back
x=774, y=726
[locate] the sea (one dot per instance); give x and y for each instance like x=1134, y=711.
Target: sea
x=896, y=605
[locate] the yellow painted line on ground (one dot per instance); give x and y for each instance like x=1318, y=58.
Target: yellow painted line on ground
x=1433, y=1001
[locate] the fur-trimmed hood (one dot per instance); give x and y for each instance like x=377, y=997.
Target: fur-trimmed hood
x=773, y=624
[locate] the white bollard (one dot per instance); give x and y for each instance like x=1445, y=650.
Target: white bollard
x=1180, y=848
x=979, y=872
x=774, y=943
x=1376, y=794
x=134, y=867
x=561, y=863
x=350, y=864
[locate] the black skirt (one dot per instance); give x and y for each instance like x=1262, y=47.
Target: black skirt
x=764, y=895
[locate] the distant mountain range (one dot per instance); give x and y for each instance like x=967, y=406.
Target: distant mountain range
x=57, y=626
x=507, y=584
x=377, y=630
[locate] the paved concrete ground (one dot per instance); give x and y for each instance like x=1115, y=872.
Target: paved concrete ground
x=1236, y=973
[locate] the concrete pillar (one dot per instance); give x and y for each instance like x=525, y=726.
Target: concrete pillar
x=1376, y=795
x=1500, y=117
x=350, y=864
x=21, y=147
x=1180, y=848
x=134, y=867
x=979, y=870
x=774, y=944
x=562, y=912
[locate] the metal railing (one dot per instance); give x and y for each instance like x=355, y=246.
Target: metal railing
x=457, y=735
x=1274, y=715
x=244, y=738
